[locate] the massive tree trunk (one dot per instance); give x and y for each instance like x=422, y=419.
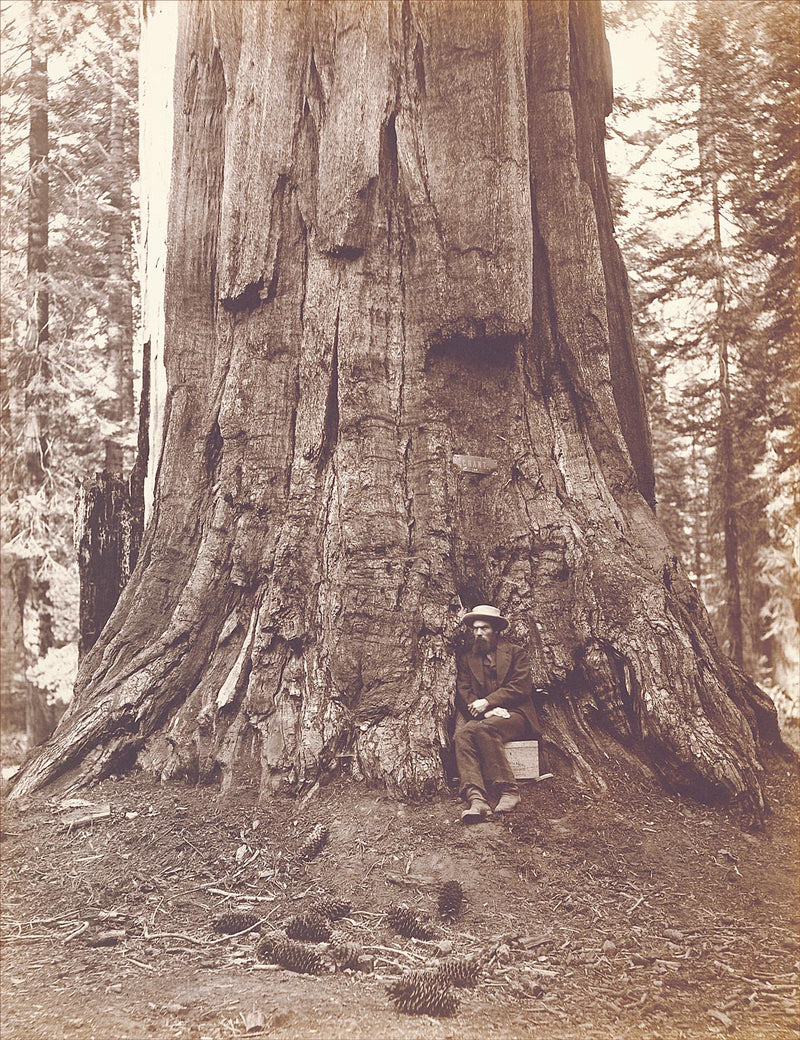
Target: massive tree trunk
x=401, y=381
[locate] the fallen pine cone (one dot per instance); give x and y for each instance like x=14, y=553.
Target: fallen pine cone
x=315, y=842
x=423, y=993
x=333, y=909
x=346, y=954
x=406, y=922
x=450, y=899
x=308, y=926
x=459, y=971
x=235, y=921
x=290, y=954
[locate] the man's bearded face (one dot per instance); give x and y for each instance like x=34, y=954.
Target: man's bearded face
x=484, y=637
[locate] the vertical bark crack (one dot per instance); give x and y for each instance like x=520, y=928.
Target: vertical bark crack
x=214, y=447
x=330, y=427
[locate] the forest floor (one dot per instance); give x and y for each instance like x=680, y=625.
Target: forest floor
x=639, y=915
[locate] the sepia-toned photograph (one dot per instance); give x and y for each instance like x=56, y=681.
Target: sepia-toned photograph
x=400, y=519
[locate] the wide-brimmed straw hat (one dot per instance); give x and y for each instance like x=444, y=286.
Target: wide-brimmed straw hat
x=485, y=612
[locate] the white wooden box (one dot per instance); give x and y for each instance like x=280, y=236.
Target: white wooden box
x=523, y=757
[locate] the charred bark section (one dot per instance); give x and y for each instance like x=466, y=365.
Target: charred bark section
x=403, y=211
x=109, y=524
x=591, y=93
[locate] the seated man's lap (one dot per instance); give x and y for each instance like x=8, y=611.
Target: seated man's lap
x=516, y=727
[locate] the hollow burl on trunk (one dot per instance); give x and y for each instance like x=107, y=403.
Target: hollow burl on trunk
x=390, y=244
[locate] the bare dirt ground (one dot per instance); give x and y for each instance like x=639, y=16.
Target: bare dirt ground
x=640, y=915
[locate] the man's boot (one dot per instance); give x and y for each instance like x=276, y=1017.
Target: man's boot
x=478, y=808
x=509, y=799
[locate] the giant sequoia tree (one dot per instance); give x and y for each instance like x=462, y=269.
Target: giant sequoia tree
x=401, y=381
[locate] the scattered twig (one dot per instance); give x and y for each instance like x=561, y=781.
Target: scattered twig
x=207, y=942
x=394, y=963
x=239, y=895
x=140, y=964
x=186, y=841
x=33, y=938
x=52, y=920
x=78, y=931
x=180, y=935
x=393, y=949
x=410, y=880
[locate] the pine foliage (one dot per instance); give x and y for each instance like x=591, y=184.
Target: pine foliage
x=59, y=390
x=707, y=216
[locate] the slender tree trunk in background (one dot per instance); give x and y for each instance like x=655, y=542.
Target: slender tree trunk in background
x=726, y=467
x=697, y=537
x=120, y=312
x=40, y=716
x=728, y=486
x=401, y=381
x=37, y=375
x=699, y=513
x=14, y=684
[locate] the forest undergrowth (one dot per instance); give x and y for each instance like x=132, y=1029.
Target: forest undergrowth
x=637, y=915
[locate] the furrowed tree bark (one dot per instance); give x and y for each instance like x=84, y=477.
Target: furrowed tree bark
x=390, y=254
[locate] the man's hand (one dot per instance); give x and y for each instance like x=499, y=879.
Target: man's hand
x=497, y=713
x=477, y=708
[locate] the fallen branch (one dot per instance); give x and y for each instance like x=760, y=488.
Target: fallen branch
x=83, y=819
x=238, y=895
x=206, y=942
x=78, y=931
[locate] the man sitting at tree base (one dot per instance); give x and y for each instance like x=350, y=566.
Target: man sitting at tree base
x=493, y=702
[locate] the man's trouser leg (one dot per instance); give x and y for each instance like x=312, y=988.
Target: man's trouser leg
x=480, y=757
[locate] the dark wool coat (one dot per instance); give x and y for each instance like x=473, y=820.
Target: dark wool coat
x=514, y=678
